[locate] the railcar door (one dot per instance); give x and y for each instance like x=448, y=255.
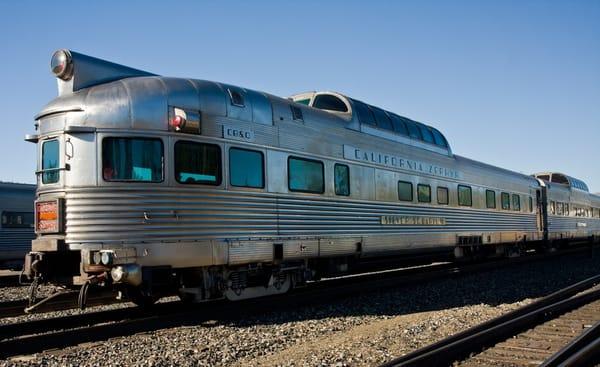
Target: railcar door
x=542, y=211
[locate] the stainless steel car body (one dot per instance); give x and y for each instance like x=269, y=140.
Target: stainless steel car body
x=573, y=213
x=176, y=225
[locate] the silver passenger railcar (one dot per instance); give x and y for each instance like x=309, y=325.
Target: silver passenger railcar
x=572, y=212
x=154, y=184
x=16, y=223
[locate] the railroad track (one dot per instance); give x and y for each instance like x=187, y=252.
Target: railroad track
x=50, y=333
x=562, y=329
x=414, y=273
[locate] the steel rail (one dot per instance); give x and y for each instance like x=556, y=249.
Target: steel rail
x=475, y=339
x=581, y=351
x=38, y=335
x=420, y=273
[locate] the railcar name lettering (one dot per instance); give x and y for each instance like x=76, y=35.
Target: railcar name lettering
x=236, y=133
x=389, y=160
x=397, y=220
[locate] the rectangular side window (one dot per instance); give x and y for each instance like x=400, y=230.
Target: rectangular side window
x=197, y=163
x=465, y=196
x=566, y=209
x=505, y=198
x=553, y=207
x=530, y=204
x=305, y=175
x=405, y=191
x=132, y=159
x=490, y=199
x=246, y=168
x=342, y=179
x=559, y=208
x=442, y=195
x=17, y=220
x=424, y=193
x=50, y=162
x=516, y=200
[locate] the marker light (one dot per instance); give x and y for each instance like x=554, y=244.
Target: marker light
x=178, y=122
x=62, y=64
x=47, y=216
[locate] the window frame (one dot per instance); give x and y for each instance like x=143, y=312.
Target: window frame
x=419, y=196
x=219, y=180
x=530, y=204
x=335, y=189
x=56, y=169
x=487, y=202
x=327, y=95
x=502, y=196
x=412, y=193
x=516, y=205
x=443, y=188
x=470, y=195
x=232, y=99
x=306, y=160
x=262, y=157
x=133, y=137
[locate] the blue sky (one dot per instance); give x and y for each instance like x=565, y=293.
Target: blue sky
x=511, y=83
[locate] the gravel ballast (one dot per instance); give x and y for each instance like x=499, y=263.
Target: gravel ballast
x=367, y=329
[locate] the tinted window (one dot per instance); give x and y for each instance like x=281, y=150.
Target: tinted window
x=516, y=202
x=197, y=163
x=413, y=130
x=465, y=197
x=342, y=179
x=383, y=121
x=305, y=175
x=560, y=207
x=490, y=199
x=303, y=101
x=17, y=220
x=132, y=159
x=246, y=168
x=530, y=204
x=442, y=195
x=50, y=161
x=427, y=135
x=399, y=125
x=236, y=98
x=439, y=138
x=558, y=178
x=329, y=102
x=405, y=191
x=297, y=113
x=424, y=193
x=365, y=116
x=505, y=198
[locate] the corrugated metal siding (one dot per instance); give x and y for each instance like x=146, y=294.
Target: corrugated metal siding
x=117, y=215
x=15, y=240
x=569, y=224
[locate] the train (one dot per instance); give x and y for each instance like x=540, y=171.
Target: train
x=150, y=185
x=16, y=223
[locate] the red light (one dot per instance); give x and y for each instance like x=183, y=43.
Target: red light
x=178, y=122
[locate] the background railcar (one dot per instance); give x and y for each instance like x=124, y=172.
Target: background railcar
x=573, y=213
x=16, y=223
x=158, y=184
